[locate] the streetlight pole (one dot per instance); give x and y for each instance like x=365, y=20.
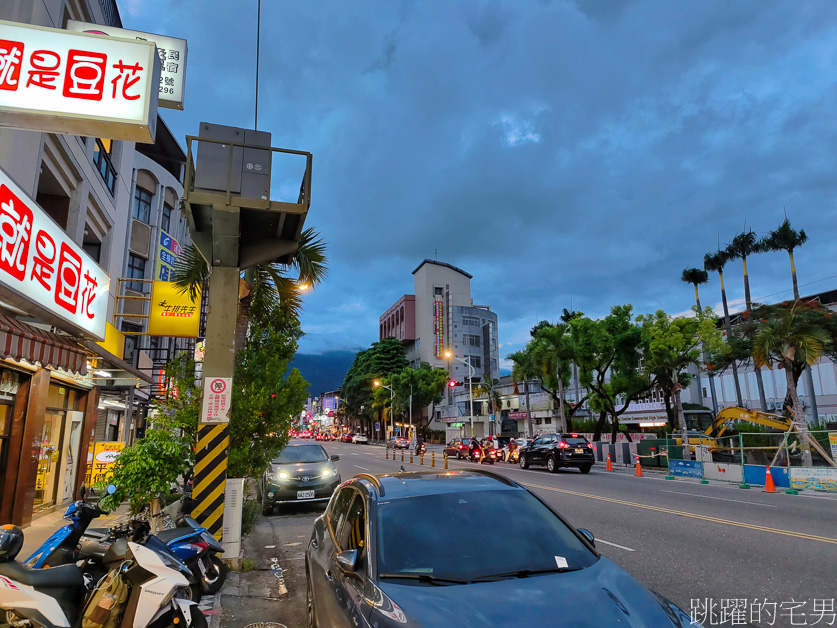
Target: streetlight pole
x=391, y=406
x=410, y=433
x=467, y=361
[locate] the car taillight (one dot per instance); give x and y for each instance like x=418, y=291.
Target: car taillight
x=590, y=445
x=563, y=445
x=574, y=435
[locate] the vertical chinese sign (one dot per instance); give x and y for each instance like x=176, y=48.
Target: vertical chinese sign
x=44, y=271
x=217, y=394
x=63, y=82
x=168, y=250
x=439, y=326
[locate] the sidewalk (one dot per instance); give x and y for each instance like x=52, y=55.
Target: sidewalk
x=44, y=527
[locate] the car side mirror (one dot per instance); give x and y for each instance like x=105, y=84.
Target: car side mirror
x=588, y=535
x=347, y=560
x=335, y=458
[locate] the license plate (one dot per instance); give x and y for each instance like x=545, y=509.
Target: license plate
x=305, y=494
x=579, y=451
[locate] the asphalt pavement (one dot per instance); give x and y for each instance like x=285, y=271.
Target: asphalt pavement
x=707, y=547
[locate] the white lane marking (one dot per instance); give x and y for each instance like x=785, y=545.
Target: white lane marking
x=353, y=453
x=627, y=549
x=359, y=467
x=724, y=499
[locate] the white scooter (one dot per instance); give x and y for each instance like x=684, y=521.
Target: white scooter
x=51, y=598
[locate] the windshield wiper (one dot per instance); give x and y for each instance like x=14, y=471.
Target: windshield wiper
x=524, y=573
x=425, y=578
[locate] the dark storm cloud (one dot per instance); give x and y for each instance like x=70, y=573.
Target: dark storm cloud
x=560, y=151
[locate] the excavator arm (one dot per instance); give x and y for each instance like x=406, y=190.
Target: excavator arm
x=719, y=423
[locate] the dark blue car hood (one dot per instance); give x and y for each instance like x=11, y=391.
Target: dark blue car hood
x=601, y=595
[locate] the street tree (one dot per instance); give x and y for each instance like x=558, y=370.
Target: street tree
x=553, y=353
x=742, y=246
x=608, y=353
x=380, y=360
x=715, y=262
x=697, y=277
x=267, y=395
x=525, y=369
x=425, y=385
x=788, y=339
x=670, y=346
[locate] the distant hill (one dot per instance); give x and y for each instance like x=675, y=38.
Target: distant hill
x=325, y=371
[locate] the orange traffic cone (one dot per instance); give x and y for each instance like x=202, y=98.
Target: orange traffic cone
x=638, y=469
x=769, y=486
x=609, y=466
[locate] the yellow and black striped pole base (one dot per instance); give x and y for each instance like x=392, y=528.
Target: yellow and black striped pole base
x=210, y=476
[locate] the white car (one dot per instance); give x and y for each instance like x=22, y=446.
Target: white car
x=360, y=438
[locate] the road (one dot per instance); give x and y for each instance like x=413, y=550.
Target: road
x=687, y=541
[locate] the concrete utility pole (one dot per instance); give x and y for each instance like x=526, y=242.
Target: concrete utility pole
x=235, y=226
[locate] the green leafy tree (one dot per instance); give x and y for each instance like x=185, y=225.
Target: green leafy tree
x=153, y=463
x=426, y=385
x=789, y=340
x=553, y=351
x=381, y=360
x=608, y=353
x=696, y=277
x=670, y=347
x=267, y=396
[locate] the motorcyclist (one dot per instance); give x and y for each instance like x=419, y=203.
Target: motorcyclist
x=512, y=456
x=419, y=445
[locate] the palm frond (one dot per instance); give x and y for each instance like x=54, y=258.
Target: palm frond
x=191, y=272
x=310, y=260
x=715, y=262
x=695, y=276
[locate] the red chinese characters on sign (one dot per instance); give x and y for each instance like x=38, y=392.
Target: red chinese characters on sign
x=44, y=70
x=11, y=57
x=15, y=233
x=43, y=263
x=128, y=77
x=68, y=279
x=85, y=75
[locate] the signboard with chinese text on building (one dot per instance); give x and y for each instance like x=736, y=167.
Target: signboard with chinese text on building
x=57, y=81
x=100, y=463
x=439, y=327
x=44, y=272
x=217, y=397
x=172, y=53
x=168, y=250
x=173, y=313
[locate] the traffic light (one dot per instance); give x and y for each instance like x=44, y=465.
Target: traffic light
x=453, y=383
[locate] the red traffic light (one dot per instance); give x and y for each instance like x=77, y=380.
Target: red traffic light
x=452, y=383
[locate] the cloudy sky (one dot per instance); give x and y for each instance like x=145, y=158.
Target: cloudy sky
x=562, y=152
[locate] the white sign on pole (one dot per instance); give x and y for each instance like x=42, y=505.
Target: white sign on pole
x=217, y=397
x=58, y=81
x=43, y=271
x=172, y=53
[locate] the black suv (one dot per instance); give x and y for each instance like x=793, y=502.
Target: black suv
x=559, y=450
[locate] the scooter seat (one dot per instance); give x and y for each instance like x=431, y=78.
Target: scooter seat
x=167, y=536
x=64, y=576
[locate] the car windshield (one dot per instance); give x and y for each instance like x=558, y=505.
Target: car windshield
x=575, y=441
x=541, y=541
x=302, y=453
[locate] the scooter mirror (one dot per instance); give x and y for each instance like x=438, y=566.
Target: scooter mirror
x=111, y=489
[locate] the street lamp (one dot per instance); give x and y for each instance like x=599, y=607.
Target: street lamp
x=449, y=355
x=391, y=405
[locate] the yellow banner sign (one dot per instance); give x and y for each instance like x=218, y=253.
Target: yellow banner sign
x=98, y=466
x=173, y=313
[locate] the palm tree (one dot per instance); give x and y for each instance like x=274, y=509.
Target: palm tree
x=785, y=238
x=552, y=353
x=742, y=246
x=697, y=277
x=790, y=343
x=715, y=262
x=266, y=288
x=524, y=369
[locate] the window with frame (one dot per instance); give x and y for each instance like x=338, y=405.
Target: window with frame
x=470, y=340
x=476, y=361
x=353, y=532
x=471, y=321
x=103, y=163
x=136, y=270
x=142, y=205
x=165, y=221
x=339, y=508
x=438, y=290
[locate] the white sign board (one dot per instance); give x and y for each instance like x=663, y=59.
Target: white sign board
x=57, y=81
x=172, y=53
x=217, y=397
x=231, y=527
x=44, y=271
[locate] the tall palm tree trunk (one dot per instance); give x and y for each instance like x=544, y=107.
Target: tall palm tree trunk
x=798, y=417
x=529, y=423
x=561, y=401
x=749, y=303
x=809, y=375
x=728, y=328
x=705, y=357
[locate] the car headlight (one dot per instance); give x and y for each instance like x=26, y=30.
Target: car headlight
x=327, y=473
x=283, y=475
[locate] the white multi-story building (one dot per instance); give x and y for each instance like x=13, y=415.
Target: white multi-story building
x=439, y=317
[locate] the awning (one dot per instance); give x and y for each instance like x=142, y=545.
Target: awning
x=20, y=341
